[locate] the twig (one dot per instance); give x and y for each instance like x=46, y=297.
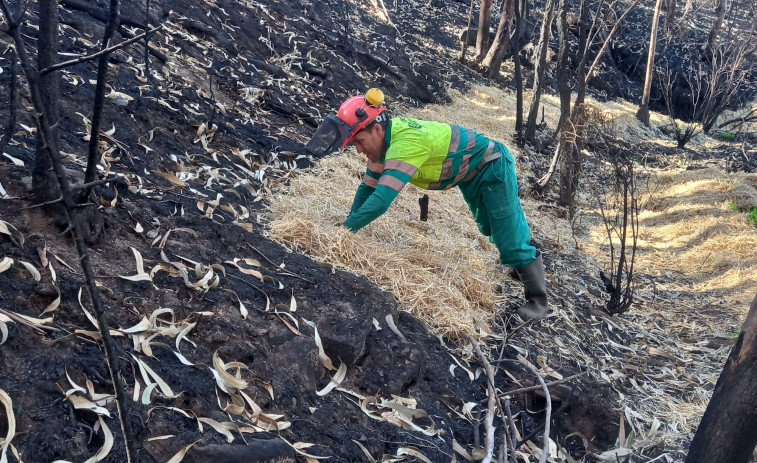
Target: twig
x=282, y=272
x=16, y=317
x=477, y=431
x=489, y=423
x=539, y=386
x=93, y=150
x=95, y=183
x=511, y=424
x=105, y=51
x=147, y=42
x=254, y=286
x=510, y=436
x=47, y=203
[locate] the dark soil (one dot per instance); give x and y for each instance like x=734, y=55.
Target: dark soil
x=263, y=73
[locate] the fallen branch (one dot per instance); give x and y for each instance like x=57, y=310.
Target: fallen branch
x=255, y=287
x=47, y=203
x=279, y=269
x=99, y=14
x=511, y=439
x=95, y=183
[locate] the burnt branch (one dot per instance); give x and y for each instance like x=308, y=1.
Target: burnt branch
x=147, y=41
x=100, y=53
x=97, y=109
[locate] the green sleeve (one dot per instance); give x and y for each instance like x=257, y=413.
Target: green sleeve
x=362, y=193
x=376, y=204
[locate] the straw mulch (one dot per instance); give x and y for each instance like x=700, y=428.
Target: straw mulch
x=442, y=271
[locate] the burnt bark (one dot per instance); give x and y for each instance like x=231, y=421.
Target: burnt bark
x=93, y=155
x=482, y=39
x=47, y=51
x=715, y=31
x=464, y=40
x=570, y=165
x=643, y=113
x=563, y=75
x=728, y=431
x=541, y=64
x=520, y=6
x=493, y=60
x=564, y=89
x=43, y=181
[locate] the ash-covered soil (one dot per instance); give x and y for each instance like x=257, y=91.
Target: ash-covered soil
x=233, y=90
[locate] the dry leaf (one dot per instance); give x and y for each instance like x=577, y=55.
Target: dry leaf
x=325, y=359
x=172, y=179
x=141, y=275
x=5, y=399
x=335, y=381
x=180, y=454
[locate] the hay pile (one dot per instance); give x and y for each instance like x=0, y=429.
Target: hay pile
x=442, y=271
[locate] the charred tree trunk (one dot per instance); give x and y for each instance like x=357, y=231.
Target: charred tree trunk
x=482, y=39
x=67, y=198
x=493, y=60
x=643, y=113
x=541, y=64
x=563, y=87
x=43, y=180
x=570, y=167
x=518, y=74
x=99, y=100
x=584, y=29
x=464, y=41
x=563, y=83
x=715, y=31
x=728, y=431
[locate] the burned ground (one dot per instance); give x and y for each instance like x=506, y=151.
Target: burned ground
x=234, y=90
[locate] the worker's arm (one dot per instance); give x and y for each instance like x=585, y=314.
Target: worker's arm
x=368, y=185
x=395, y=176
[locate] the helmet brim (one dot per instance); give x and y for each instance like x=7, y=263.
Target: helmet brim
x=331, y=135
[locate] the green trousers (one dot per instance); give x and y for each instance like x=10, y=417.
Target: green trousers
x=492, y=198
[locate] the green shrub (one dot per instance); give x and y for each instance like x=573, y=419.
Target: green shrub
x=752, y=216
x=729, y=136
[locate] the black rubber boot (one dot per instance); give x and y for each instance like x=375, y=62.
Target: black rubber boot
x=532, y=276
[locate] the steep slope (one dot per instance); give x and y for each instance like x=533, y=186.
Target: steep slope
x=234, y=88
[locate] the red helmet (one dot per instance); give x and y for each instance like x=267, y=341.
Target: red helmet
x=353, y=116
